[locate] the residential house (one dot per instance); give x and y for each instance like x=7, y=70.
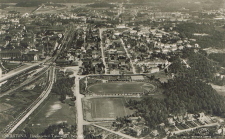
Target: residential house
x=190, y=117
x=154, y=69
x=180, y=119
x=10, y=54
x=154, y=133
x=137, y=78
x=31, y=56
x=171, y=121
x=139, y=129
x=95, y=54
x=202, y=118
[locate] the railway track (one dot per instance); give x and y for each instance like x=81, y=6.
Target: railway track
x=11, y=127
x=25, y=82
x=23, y=115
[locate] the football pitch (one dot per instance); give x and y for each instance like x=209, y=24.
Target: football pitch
x=108, y=108
x=120, y=87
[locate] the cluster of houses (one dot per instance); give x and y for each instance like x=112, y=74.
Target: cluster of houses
x=142, y=44
x=115, y=54
x=22, y=39
x=137, y=125
x=190, y=121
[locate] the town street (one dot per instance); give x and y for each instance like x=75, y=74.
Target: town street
x=102, y=49
x=80, y=120
x=128, y=55
x=79, y=109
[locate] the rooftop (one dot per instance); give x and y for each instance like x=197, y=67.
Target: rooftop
x=137, y=78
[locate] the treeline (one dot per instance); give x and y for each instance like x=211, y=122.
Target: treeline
x=183, y=94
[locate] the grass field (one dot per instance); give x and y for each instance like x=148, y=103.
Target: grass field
x=53, y=112
x=107, y=108
x=120, y=87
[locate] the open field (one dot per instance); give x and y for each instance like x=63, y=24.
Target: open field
x=120, y=87
x=98, y=109
x=52, y=112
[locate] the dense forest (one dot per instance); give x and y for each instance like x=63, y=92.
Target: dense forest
x=202, y=66
x=197, y=65
x=213, y=39
x=192, y=95
x=183, y=94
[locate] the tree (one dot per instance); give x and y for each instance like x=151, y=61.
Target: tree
x=62, y=98
x=8, y=38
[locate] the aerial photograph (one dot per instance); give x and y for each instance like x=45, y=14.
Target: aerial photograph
x=112, y=69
